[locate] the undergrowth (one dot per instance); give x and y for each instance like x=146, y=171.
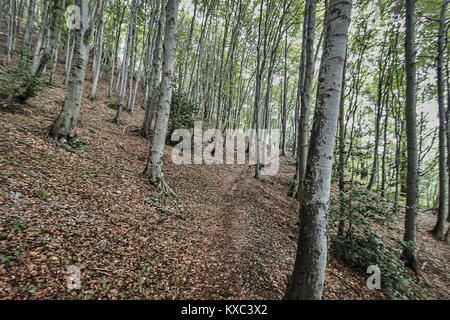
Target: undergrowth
x=360, y=246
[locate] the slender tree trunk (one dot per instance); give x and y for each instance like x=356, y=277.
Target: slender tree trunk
x=439, y=228
x=300, y=86
x=98, y=54
x=341, y=167
x=188, y=50
x=125, y=65
x=284, y=103
x=155, y=76
x=409, y=254
x=306, y=94
x=116, y=50
x=26, y=46
x=309, y=270
x=11, y=29
x=154, y=167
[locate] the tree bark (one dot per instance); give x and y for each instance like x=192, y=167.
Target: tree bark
x=98, y=54
x=409, y=254
x=309, y=270
x=154, y=167
x=63, y=129
x=439, y=229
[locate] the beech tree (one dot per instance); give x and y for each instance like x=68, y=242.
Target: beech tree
x=153, y=170
x=64, y=128
x=309, y=270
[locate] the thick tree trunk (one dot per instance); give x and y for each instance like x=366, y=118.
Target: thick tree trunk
x=63, y=129
x=309, y=270
x=41, y=36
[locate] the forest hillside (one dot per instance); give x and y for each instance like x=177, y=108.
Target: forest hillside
x=228, y=237
x=224, y=149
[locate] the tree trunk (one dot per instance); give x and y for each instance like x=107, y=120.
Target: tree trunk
x=306, y=94
x=26, y=46
x=309, y=270
x=439, y=228
x=155, y=77
x=11, y=29
x=63, y=129
x=409, y=254
x=98, y=54
x=153, y=170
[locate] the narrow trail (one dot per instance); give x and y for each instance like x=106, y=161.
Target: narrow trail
x=250, y=239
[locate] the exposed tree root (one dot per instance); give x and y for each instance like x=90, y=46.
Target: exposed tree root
x=163, y=189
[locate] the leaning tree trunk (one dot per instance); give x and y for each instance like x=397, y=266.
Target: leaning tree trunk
x=63, y=129
x=309, y=270
x=409, y=254
x=439, y=228
x=153, y=170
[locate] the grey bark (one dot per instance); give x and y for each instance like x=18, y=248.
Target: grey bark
x=63, y=129
x=306, y=93
x=155, y=76
x=98, y=54
x=26, y=46
x=309, y=270
x=153, y=170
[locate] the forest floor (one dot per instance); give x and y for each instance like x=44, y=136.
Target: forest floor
x=228, y=237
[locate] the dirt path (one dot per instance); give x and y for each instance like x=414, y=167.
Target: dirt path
x=433, y=256
x=251, y=239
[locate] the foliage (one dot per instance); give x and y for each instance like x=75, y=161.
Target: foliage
x=183, y=113
x=361, y=246
x=17, y=85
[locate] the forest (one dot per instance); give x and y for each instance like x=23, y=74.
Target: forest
x=224, y=149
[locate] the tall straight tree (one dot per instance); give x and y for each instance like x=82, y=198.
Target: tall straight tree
x=63, y=129
x=98, y=53
x=309, y=270
x=26, y=45
x=155, y=75
x=302, y=154
x=153, y=171
x=439, y=228
x=409, y=253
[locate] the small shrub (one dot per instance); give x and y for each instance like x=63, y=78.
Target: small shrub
x=17, y=85
x=182, y=114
